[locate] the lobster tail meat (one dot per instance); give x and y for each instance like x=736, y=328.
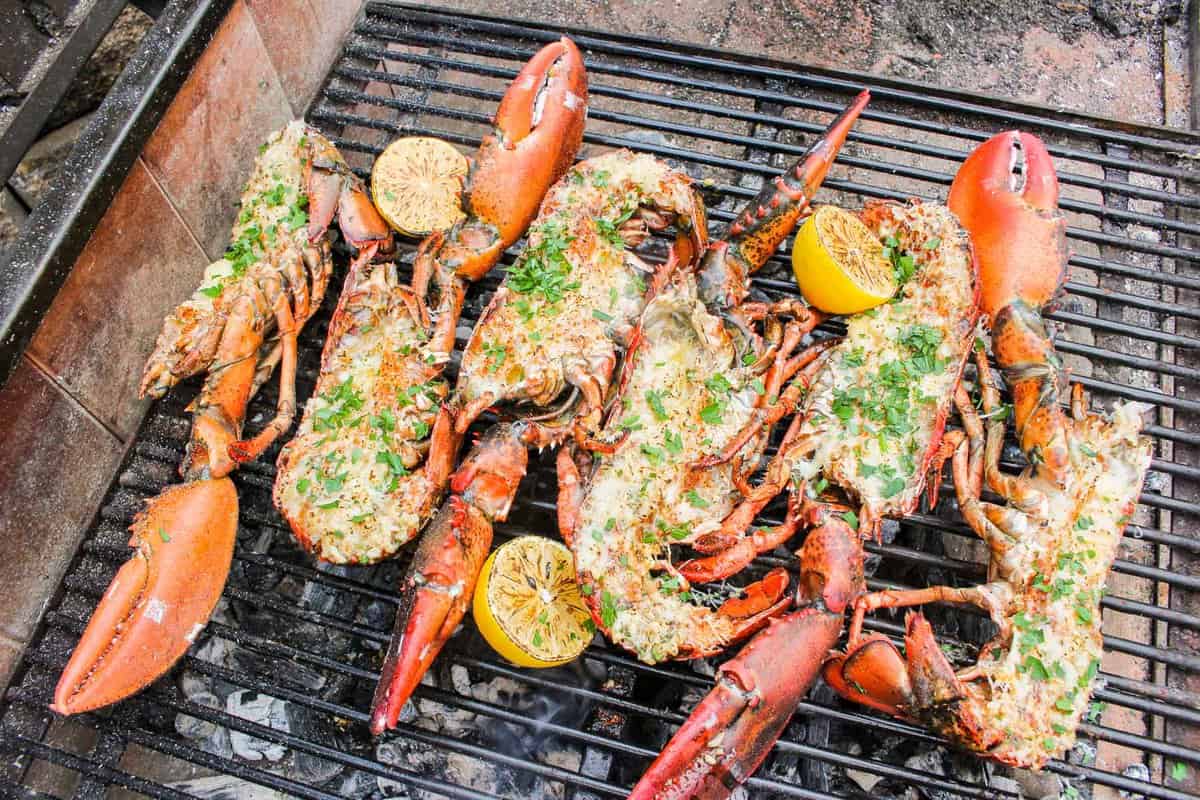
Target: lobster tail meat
x=1054, y=537
x=159, y=600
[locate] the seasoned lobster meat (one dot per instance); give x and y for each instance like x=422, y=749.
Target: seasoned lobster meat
x=872, y=409
x=377, y=443
x=348, y=482
x=240, y=324
x=572, y=298
x=685, y=392
x=873, y=417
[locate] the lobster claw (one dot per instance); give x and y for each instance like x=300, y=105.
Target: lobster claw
x=872, y=673
x=438, y=587
x=1016, y=228
x=159, y=600
x=733, y=729
x=539, y=126
x=767, y=220
x=434, y=595
x=334, y=190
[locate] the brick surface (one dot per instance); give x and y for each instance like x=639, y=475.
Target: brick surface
x=57, y=463
x=140, y=262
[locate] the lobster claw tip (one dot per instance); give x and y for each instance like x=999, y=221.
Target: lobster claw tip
x=434, y=596
x=159, y=600
x=550, y=91
x=821, y=155
x=734, y=728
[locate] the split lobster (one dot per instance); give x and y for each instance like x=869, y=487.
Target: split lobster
x=580, y=273
x=238, y=326
x=1052, y=546
x=872, y=410
x=376, y=445
x=553, y=327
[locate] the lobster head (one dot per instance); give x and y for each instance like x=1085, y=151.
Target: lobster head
x=1006, y=195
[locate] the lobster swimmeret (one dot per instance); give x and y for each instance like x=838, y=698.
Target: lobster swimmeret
x=1053, y=544
x=872, y=412
x=237, y=327
x=376, y=447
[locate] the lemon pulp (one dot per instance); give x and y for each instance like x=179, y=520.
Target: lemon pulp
x=527, y=603
x=839, y=263
x=416, y=184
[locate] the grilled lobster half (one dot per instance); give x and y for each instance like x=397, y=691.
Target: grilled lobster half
x=237, y=327
x=377, y=443
x=1054, y=542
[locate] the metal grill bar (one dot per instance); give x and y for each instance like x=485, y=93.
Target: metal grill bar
x=415, y=70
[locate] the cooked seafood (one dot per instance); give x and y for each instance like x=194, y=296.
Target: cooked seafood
x=871, y=418
x=375, y=447
x=556, y=321
x=240, y=324
x=1053, y=545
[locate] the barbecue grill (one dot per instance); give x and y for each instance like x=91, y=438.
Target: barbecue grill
x=274, y=696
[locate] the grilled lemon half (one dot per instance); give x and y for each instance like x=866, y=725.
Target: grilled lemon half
x=416, y=184
x=839, y=263
x=527, y=604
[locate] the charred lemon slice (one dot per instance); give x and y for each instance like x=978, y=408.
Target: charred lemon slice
x=416, y=183
x=527, y=604
x=839, y=264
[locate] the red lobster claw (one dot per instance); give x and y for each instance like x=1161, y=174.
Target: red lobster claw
x=1014, y=220
x=434, y=596
x=159, y=600
x=539, y=126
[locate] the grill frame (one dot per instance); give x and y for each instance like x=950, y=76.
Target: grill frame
x=149, y=462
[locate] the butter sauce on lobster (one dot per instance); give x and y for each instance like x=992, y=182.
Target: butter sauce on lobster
x=377, y=442
x=556, y=326
x=872, y=407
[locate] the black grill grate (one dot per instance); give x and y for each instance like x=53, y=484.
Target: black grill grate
x=287, y=667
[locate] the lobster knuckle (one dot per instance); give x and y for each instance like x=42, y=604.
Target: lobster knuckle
x=159, y=600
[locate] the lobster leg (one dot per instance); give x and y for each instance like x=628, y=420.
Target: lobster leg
x=248, y=450
x=730, y=558
x=733, y=729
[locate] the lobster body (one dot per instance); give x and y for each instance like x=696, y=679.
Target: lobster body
x=1054, y=542
x=237, y=327
x=377, y=444
x=872, y=409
